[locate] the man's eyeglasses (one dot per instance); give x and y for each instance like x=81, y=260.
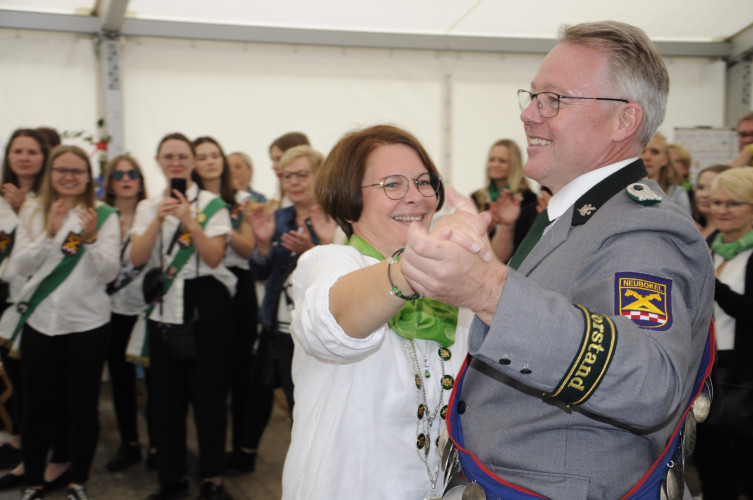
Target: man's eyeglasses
x=396, y=186
x=729, y=204
x=548, y=103
x=118, y=175
x=75, y=172
x=301, y=176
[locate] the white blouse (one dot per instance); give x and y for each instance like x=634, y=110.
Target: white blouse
x=355, y=418
x=79, y=303
x=732, y=275
x=219, y=224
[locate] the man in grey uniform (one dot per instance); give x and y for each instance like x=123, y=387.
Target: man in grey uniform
x=585, y=351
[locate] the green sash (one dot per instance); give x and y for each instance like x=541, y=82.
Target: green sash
x=180, y=259
x=56, y=276
x=236, y=216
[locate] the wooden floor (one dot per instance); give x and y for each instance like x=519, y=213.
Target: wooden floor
x=137, y=483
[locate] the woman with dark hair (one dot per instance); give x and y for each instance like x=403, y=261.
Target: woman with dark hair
x=374, y=363
x=213, y=174
x=182, y=233
x=68, y=248
x=25, y=158
x=124, y=189
x=23, y=164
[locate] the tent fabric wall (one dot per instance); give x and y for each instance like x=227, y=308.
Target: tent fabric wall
x=245, y=95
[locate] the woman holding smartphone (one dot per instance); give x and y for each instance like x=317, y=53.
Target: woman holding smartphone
x=183, y=232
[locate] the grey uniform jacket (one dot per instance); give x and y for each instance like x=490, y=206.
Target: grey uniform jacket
x=609, y=313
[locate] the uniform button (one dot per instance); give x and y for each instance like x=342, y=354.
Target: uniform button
x=526, y=370
x=461, y=407
x=504, y=361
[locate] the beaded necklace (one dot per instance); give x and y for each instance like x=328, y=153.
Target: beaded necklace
x=425, y=415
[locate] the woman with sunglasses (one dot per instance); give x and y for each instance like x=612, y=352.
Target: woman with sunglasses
x=213, y=173
x=68, y=247
x=722, y=452
x=374, y=364
x=124, y=189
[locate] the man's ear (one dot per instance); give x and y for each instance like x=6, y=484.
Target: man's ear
x=629, y=121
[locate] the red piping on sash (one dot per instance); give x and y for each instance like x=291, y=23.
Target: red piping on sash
x=711, y=340
x=450, y=405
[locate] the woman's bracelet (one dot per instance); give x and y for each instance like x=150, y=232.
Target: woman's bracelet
x=395, y=290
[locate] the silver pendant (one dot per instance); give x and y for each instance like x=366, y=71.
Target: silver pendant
x=688, y=436
x=445, y=448
x=702, y=404
x=455, y=493
x=474, y=491
x=452, y=476
x=672, y=487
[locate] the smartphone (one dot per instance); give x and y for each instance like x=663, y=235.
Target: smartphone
x=177, y=183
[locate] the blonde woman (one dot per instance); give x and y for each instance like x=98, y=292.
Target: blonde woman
x=662, y=169
x=723, y=447
x=68, y=248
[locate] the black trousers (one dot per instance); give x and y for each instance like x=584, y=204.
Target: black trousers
x=123, y=380
x=724, y=460
x=262, y=390
x=245, y=311
x=61, y=372
x=202, y=382
x=60, y=440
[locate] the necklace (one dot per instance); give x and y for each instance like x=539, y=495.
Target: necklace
x=426, y=416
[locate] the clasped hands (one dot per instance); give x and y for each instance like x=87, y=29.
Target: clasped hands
x=454, y=262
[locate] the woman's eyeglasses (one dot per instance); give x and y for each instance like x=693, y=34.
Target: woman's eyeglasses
x=396, y=186
x=118, y=175
x=729, y=204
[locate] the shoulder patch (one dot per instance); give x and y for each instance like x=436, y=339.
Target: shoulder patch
x=645, y=299
x=642, y=194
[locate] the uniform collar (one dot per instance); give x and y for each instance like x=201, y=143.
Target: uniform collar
x=595, y=188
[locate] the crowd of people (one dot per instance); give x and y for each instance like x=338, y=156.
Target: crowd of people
x=497, y=352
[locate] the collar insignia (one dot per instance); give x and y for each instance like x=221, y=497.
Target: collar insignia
x=586, y=210
x=642, y=194
x=645, y=299
x=71, y=244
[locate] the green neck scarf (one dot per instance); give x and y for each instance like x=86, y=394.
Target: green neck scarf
x=730, y=250
x=494, y=191
x=423, y=318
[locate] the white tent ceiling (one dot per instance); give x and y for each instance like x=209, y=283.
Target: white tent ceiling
x=721, y=28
